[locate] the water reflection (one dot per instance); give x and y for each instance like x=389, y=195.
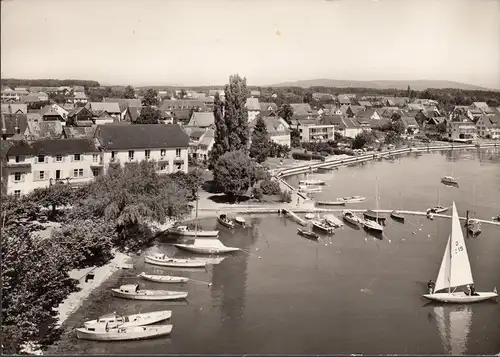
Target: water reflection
x=453, y=325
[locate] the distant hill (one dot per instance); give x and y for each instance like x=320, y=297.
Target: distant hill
x=403, y=85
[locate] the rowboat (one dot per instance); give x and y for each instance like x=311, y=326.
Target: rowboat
x=240, y=220
x=206, y=246
x=372, y=225
x=455, y=270
x=163, y=278
x=163, y=260
x=351, y=217
x=351, y=199
x=132, y=291
x=103, y=332
x=225, y=221
x=308, y=234
x=312, y=182
x=473, y=227
x=332, y=220
x=396, y=215
x=450, y=180
x=330, y=203
x=322, y=225
x=374, y=216
x=438, y=209
x=184, y=231
x=146, y=318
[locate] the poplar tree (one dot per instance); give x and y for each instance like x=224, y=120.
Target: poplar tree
x=259, y=149
x=236, y=114
x=221, y=139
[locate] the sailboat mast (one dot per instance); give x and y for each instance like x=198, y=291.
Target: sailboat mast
x=196, y=217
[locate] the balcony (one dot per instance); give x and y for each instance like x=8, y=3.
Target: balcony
x=98, y=163
x=18, y=165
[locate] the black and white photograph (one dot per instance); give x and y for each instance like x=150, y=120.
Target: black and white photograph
x=266, y=177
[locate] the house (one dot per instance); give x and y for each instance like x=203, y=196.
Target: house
x=42, y=163
x=314, y=130
x=29, y=99
x=38, y=130
x=14, y=95
x=277, y=129
x=78, y=89
x=202, y=120
x=172, y=104
x=201, y=142
x=488, y=126
x=124, y=103
x=80, y=98
x=353, y=110
x=431, y=122
x=344, y=99
x=73, y=132
x=253, y=108
x=51, y=114
x=410, y=124
x=268, y=109
x=180, y=115
x=16, y=108
x=255, y=93
x=34, y=116
x=43, y=97
x=481, y=107
x=167, y=144
x=113, y=109
x=347, y=127
x=132, y=113
x=52, y=109
x=375, y=124
x=13, y=126
x=79, y=116
x=388, y=112
x=460, y=126
x=369, y=114
x=365, y=103
x=322, y=96
x=302, y=111
x=101, y=117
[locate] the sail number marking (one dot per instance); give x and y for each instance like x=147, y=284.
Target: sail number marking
x=458, y=248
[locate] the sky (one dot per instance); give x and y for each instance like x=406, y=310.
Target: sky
x=202, y=42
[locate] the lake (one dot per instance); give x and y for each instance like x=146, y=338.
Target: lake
x=349, y=293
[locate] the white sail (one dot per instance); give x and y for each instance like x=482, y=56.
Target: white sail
x=443, y=278
x=460, y=321
x=461, y=273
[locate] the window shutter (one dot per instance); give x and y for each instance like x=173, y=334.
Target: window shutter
x=46, y=159
x=36, y=175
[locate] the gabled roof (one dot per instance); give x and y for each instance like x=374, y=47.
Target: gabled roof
x=301, y=109
x=31, y=98
x=491, y=120
x=272, y=125
x=141, y=136
x=53, y=147
x=357, y=108
x=202, y=119
x=377, y=123
x=51, y=112
x=72, y=132
x=11, y=121
x=79, y=95
x=409, y=121
x=181, y=103
x=252, y=104
x=265, y=106
x=134, y=112
x=13, y=108
x=343, y=99
x=111, y=108
x=77, y=89
x=365, y=103
x=45, y=130
x=124, y=103
x=340, y=122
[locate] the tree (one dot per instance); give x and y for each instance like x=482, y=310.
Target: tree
x=190, y=181
x=236, y=114
x=362, y=139
x=295, y=137
x=221, y=138
x=150, y=98
x=149, y=115
x=182, y=94
x=129, y=92
x=53, y=196
x=392, y=138
x=259, y=148
x=234, y=173
x=308, y=97
x=286, y=112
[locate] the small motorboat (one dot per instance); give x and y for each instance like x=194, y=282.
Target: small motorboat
x=184, y=231
x=146, y=318
x=351, y=217
x=372, y=225
x=312, y=182
x=225, y=221
x=309, y=215
x=164, y=278
x=449, y=180
x=133, y=292
x=351, y=199
x=473, y=227
x=323, y=225
x=206, y=246
x=330, y=203
x=240, y=220
x=163, y=260
x=374, y=216
x=397, y=216
x=333, y=221
x=308, y=234
x=437, y=209
x=107, y=332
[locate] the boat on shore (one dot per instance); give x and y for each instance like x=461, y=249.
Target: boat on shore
x=133, y=292
x=225, y=221
x=330, y=203
x=351, y=199
x=333, y=220
x=322, y=225
x=308, y=234
x=163, y=260
x=184, y=231
x=146, y=318
x=374, y=216
x=206, y=246
x=164, y=278
x=105, y=332
x=397, y=216
x=455, y=271
x=312, y=182
x=351, y=217
x=449, y=180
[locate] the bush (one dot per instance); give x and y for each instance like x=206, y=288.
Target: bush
x=269, y=187
x=257, y=193
x=307, y=156
x=286, y=196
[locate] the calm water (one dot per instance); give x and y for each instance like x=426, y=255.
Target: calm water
x=351, y=293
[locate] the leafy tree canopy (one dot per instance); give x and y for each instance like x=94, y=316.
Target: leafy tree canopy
x=129, y=92
x=260, y=146
x=149, y=115
x=234, y=173
x=150, y=98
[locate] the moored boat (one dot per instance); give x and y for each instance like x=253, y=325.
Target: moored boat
x=312, y=182
x=142, y=319
x=372, y=225
x=105, y=332
x=163, y=260
x=308, y=234
x=323, y=225
x=240, y=220
x=184, y=231
x=473, y=227
x=351, y=199
x=450, y=180
x=351, y=217
x=374, y=216
x=330, y=203
x=309, y=189
x=225, y=221
x=437, y=209
x=333, y=220
x=133, y=292
x=497, y=218
x=164, y=278
x=397, y=216
x=206, y=246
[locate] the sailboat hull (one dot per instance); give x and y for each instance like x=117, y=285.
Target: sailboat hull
x=460, y=297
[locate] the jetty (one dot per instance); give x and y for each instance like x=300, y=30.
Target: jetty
x=288, y=213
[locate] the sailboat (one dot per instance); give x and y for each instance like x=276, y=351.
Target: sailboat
x=311, y=182
x=455, y=270
x=438, y=208
x=454, y=327
x=370, y=224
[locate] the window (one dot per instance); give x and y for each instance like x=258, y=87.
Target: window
x=19, y=158
x=177, y=152
x=131, y=155
x=41, y=175
x=17, y=176
x=147, y=153
x=59, y=158
x=95, y=172
x=163, y=152
x=78, y=173
x=163, y=167
x=113, y=154
x=77, y=157
x=17, y=193
x=41, y=158
x=95, y=157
